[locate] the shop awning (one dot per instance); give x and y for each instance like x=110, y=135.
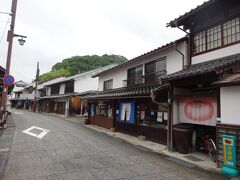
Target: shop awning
x=215, y=66
x=126, y=92
x=231, y=79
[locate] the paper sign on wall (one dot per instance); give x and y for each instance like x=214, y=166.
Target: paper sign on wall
x=159, y=116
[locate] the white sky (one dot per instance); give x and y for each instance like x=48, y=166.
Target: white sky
x=58, y=29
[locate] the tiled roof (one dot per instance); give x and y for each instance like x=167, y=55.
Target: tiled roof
x=171, y=44
x=58, y=96
x=175, y=22
x=127, y=92
x=94, y=71
x=205, y=67
x=229, y=79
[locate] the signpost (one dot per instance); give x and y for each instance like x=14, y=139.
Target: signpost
x=229, y=156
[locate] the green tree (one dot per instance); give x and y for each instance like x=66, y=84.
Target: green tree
x=80, y=64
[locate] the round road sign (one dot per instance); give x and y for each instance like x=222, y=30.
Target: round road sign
x=8, y=79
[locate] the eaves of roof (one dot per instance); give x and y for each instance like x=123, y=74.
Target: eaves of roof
x=164, y=47
x=176, y=21
x=57, y=96
x=125, y=92
x=2, y=69
x=217, y=65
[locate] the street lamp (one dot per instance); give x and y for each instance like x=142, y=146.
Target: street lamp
x=10, y=37
x=21, y=41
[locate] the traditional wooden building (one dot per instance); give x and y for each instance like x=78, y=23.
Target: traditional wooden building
x=22, y=95
x=124, y=101
x=65, y=96
x=206, y=92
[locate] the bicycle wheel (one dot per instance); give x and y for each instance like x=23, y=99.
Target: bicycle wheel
x=212, y=150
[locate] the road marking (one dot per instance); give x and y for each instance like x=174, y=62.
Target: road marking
x=40, y=136
x=17, y=113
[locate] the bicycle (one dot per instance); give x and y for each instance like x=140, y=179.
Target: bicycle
x=206, y=144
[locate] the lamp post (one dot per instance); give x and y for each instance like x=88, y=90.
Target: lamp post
x=10, y=37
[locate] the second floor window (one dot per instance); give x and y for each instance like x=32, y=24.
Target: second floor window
x=217, y=36
x=69, y=87
x=108, y=84
x=55, y=89
x=154, y=69
x=231, y=31
x=135, y=75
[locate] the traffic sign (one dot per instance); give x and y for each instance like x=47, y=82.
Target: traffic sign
x=8, y=80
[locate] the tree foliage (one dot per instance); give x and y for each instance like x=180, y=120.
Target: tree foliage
x=54, y=74
x=80, y=64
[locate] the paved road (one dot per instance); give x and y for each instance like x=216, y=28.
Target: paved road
x=71, y=151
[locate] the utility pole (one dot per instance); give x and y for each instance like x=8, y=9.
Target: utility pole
x=9, y=53
x=35, y=108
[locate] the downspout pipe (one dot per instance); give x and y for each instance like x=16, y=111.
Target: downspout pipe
x=188, y=62
x=183, y=57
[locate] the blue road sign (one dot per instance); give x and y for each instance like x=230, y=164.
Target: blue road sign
x=8, y=79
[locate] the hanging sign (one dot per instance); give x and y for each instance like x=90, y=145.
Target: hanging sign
x=8, y=80
x=198, y=110
x=127, y=111
x=229, y=156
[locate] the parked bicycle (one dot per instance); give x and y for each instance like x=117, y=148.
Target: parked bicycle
x=206, y=144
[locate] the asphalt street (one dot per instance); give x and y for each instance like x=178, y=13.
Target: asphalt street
x=59, y=149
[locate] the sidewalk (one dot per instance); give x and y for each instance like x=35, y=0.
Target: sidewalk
x=5, y=143
x=195, y=159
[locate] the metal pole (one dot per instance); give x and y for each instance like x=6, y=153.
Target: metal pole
x=9, y=53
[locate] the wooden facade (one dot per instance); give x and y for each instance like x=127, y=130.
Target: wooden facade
x=75, y=105
x=101, y=121
x=147, y=126
x=155, y=134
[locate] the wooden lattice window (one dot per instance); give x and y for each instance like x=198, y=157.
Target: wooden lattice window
x=231, y=31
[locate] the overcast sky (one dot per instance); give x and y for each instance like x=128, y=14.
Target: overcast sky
x=58, y=29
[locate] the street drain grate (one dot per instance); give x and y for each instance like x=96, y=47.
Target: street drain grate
x=179, y=161
x=193, y=158
x=5, y=140
x=8, y=133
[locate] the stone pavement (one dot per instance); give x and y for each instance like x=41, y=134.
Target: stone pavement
x=5, y=143
x=72, y=151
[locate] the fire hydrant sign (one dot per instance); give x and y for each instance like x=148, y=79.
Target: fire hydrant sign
x=229, y=156
x=8, y=80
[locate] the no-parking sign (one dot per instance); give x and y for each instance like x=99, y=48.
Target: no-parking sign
x=8, y=80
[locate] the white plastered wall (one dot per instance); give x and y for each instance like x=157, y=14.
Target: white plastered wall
x=48, y=91
x=223, y=52
x=62, y=88
x=175, y=112
x=83, y=84
x=230, y=109
x=174, y=63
